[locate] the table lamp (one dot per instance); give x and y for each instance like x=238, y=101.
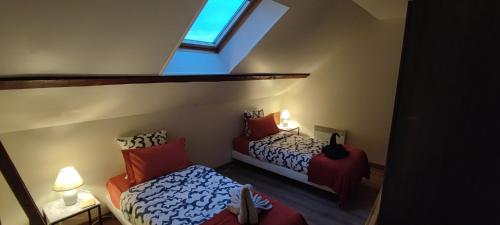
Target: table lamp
x=285, y=116
x=67, y=181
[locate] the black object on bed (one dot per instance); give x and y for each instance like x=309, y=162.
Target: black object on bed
x=334, y=150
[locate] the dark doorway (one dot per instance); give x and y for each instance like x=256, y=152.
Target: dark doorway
x=443, y=164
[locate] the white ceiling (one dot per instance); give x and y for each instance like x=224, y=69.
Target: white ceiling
x=384, y=9
x=92, y=36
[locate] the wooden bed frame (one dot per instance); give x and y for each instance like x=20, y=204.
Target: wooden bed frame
x=115, y=211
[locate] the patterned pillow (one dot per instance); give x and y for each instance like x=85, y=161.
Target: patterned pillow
x=250, y=114
x=143, y=140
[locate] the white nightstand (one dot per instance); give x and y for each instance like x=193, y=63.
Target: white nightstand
x=292, y=125
x=55, y=211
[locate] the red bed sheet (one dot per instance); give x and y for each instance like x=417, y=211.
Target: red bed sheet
x=280, y=214
x=116, y=186
x=240, y=144
x=341, y=175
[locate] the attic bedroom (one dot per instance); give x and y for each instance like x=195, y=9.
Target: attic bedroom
x=221, y=111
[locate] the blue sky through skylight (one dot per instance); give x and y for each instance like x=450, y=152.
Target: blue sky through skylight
x=213, y=20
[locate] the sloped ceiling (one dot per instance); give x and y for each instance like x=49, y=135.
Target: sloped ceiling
x=139, y=37
x=92, y=36
x=307, y=35
x=380, y=9
x=384, y=9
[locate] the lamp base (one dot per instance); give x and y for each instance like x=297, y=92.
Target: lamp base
x=70, y=197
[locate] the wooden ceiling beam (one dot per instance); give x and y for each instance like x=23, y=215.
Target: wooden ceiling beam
x=19, y=189
x=49, y=81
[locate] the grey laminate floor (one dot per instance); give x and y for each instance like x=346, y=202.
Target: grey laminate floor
x=318, y=207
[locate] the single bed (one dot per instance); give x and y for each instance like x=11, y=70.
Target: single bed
x=300, y=158
x=194, y=195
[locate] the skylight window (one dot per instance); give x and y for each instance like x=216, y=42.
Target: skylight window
x=216, y=22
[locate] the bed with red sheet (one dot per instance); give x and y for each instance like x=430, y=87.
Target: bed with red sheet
x=195, y=195
x=303, y=155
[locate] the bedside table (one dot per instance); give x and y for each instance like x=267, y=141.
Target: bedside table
x=292, y=125
x=55, y=211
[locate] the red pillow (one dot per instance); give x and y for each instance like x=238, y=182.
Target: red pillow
x=152, y=162
x=262, y=127
x=128, y=167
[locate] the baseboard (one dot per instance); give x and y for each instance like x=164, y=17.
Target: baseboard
x=377, y=166
x=224, y=166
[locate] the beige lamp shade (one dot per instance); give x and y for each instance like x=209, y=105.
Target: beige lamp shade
x=68, y=179
x=285, y=114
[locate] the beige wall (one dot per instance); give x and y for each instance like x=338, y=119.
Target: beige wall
x=354, y=89
x=209, y=119
x=353, y=58
x=92, y=36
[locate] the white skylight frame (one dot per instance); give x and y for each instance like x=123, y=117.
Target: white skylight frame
x=236, y=21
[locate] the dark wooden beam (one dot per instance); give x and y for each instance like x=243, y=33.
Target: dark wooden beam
x=48, y=81
x=19, y=189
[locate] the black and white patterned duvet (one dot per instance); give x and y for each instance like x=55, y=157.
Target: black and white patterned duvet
x=190, y=196
x=286, y=149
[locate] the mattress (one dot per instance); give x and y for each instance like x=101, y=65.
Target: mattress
x=342, y=175
x=115, y=211
x=116, y=186
x=240, y=144
x=195, y=195
x=189, y=196
x=287, y=150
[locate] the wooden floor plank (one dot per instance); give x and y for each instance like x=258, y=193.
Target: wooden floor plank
x=318, y=207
